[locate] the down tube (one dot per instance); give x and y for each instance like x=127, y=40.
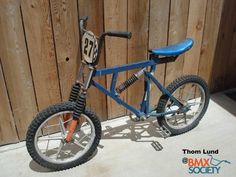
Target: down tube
x=117, y=99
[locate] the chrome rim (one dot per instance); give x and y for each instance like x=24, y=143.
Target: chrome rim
x=191, y=95
x=49, y=139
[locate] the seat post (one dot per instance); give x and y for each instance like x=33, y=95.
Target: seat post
x=161, y=60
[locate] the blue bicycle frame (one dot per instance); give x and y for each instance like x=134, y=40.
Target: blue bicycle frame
x=145, y=110
x=148, y=68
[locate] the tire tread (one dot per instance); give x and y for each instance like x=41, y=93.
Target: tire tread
x=41, y=117
x=171, y=88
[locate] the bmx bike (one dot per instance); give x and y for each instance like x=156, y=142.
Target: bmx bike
x=66, y=134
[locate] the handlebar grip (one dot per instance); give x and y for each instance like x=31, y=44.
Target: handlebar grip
x=127, y=35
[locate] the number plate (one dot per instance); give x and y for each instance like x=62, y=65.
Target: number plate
x=89, y=47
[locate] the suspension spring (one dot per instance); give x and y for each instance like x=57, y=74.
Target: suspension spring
x=79, y=105
x=74, y=92
x=129, y=81
x=126, y=84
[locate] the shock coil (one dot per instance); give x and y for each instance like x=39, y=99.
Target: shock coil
x=74, y=92
x=79, y=105
x=126, y=84
x=129, y=81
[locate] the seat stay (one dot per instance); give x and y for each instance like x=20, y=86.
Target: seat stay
x=163, y=89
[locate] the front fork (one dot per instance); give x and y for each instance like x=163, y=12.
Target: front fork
x=78, y=95
x=78, y=110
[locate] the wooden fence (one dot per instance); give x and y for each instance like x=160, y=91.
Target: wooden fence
x=39, y=50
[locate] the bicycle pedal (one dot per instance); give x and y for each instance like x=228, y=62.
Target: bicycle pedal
x=165, y=132
x=157, y=146
x=134, y=118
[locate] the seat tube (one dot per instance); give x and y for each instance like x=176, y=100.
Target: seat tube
x=148, y=89
x=153, y=69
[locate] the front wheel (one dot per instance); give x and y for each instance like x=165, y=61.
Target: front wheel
x=193, y=93
x=46, y=134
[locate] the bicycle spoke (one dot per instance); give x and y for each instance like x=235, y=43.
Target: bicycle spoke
x=59, y=149
x=49, y=126
x=68, y=120
x=175, y=120
x=41, y=131
x=195, y=103
x=169, y=107
x=47, y=146
x=80, y=139
x=62, y=127
x=46, y=127
x=185, y=120
x=188, y=95
x=50, y=138
x=85, y=124
x=79, y=144
x=51, y=145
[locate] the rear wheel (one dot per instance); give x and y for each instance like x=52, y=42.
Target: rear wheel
x=46, y=135
x=192, y=92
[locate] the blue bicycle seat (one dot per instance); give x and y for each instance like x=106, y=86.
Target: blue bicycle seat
x=175, y=49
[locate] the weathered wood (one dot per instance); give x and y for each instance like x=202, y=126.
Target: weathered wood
x=177, y=32
x=224, y=44
x=48, y=31
x=209, y=41
x=158, y=37
x=16, y=66
x=66, y=35
x=196, y=19
x=231, y=65
x=230, y=74
x=8, y=132
x=138, y=17
x=94, y=10
x=39, y=38
x=115, y=18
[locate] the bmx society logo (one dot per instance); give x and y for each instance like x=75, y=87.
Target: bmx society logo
x=205, y=164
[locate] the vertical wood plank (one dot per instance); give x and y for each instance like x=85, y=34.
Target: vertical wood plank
x=158, y=37
x=177, y=32
x=224, y=44
x=209, y=41
x=196, y=19
x=8, y=132
x=94, y=10
x=66, y=34
x=231, y=65
x=39, y=37
x=138, y=17
x=16, y=66
x=115, y=18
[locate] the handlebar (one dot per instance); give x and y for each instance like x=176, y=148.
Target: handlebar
x=83, y=24
x=127, y=35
